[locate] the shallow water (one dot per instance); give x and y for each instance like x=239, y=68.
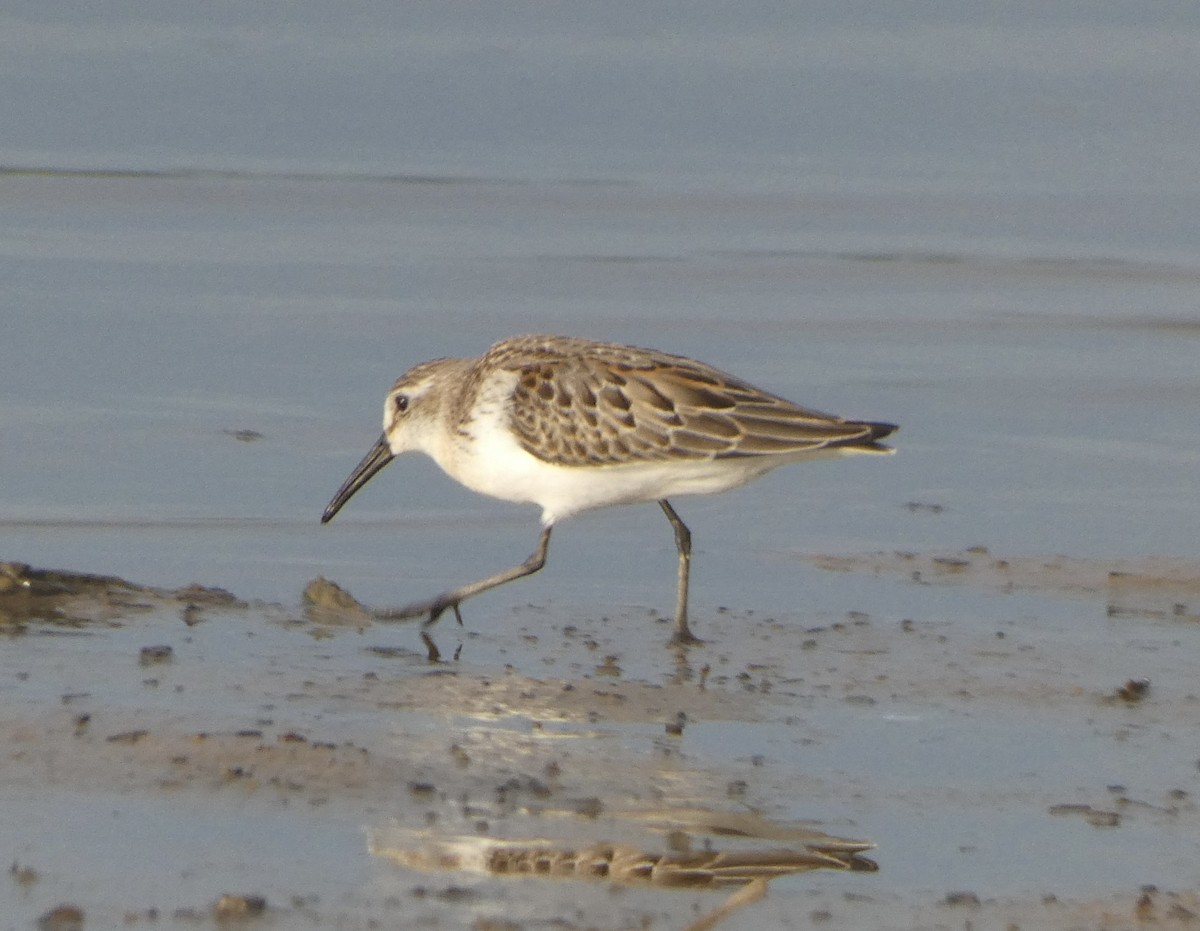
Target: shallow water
x=980, y=228
x=155, y=324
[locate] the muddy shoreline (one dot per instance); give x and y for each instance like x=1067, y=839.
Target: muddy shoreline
x=121, y=694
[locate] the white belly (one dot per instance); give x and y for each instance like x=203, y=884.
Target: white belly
x=494, y=464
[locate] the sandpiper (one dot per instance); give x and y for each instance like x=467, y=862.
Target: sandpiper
x=573, y=424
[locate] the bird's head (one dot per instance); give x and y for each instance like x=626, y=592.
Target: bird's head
x=412, y=414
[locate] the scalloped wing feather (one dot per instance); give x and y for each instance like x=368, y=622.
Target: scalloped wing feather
x=579, y=403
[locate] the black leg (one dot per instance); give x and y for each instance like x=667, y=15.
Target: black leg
x=452, y=599
x=683, y=543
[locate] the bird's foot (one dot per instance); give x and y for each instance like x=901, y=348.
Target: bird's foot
x=432, y=653
x=430, y=610
x=438, y=607
x=683, y=636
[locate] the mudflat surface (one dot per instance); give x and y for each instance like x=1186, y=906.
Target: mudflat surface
x=310, y=762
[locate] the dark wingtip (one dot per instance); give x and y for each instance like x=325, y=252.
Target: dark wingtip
x=869, y=441
x=880, y=430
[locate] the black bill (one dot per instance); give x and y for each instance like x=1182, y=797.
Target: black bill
x=376, y=458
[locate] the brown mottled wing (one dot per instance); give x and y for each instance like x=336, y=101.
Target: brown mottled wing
x=581, y=403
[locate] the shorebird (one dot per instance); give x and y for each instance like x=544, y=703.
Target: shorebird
x=573, y=425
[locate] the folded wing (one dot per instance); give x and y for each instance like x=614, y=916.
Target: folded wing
x=614, y=405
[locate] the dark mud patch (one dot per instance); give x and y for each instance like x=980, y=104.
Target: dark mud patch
x=59, y=598
x=1154, y=587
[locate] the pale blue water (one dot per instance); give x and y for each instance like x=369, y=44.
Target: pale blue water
x=1047, y=403
x=977, y=221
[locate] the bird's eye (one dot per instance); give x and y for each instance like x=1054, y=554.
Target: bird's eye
x=401, y=403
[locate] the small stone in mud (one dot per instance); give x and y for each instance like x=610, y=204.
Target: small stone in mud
x=588, y=807
x=457, y=894
x=12, y=577
x=322, y=593
x=127, y=737
x=62, y=918
x=149, y=656
x=495, y=924
x=962, y=898
x=244, y=436
x=1103, y=819
x=609, y=667
x=197, y=595
x=238, y=906
x=327, y=602
x=23, y=875
x=390, y=652
x=1094, y=816
x=1134, y=690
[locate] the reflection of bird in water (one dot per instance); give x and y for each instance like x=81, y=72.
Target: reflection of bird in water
x=746, y=871
x=628, y=864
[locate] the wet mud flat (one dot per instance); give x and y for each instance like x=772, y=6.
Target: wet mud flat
x=1022, y=752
